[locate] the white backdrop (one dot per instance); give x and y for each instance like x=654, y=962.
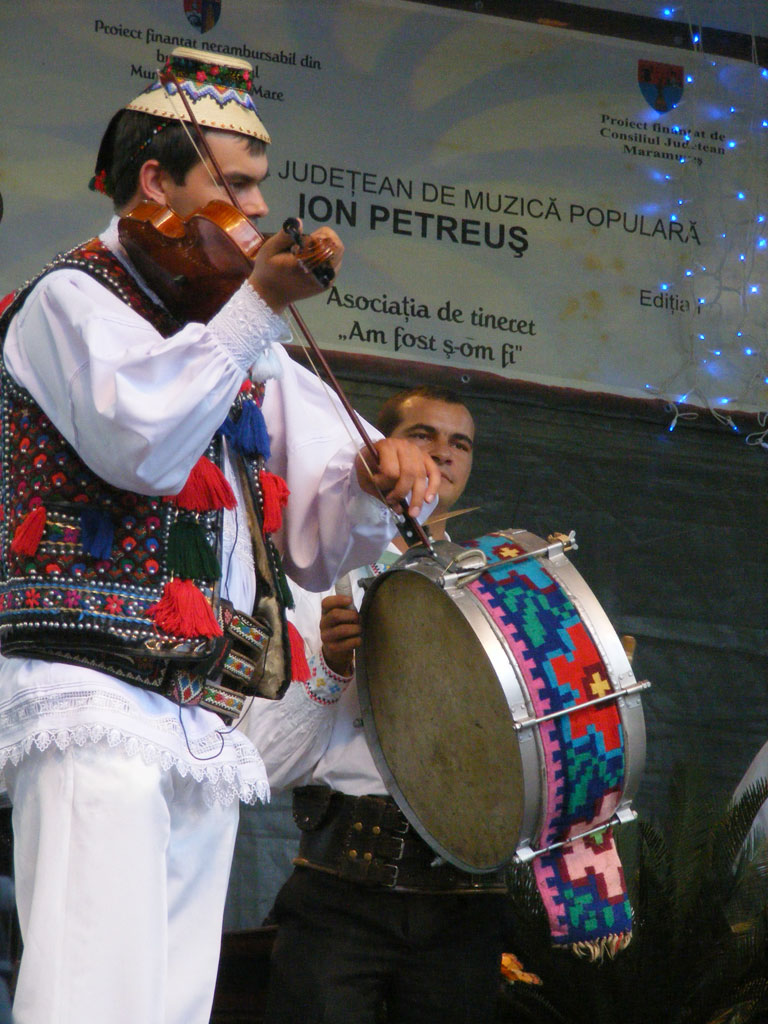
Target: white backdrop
x=511, y=200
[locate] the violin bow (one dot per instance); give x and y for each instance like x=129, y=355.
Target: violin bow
x=409, y=528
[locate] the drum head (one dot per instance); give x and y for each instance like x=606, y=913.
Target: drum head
x=438, y=723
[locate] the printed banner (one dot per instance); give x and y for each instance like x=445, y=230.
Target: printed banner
x=521, y=200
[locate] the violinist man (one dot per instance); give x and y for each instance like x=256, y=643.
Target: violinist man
x=422, y=939
x=146, y=460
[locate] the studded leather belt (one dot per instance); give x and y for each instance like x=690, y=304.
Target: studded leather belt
x=368, y=840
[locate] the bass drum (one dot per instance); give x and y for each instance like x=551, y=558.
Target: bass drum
x=499, y=704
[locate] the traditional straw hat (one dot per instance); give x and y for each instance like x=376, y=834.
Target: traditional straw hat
x=218, y=90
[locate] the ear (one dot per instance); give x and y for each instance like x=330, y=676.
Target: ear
x=151, y=182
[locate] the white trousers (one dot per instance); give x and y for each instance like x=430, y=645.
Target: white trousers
x=121, y=876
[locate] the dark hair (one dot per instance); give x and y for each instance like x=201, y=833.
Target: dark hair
x=133, y=137
x=390, y=416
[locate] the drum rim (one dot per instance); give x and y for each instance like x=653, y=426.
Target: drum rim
x=607, y=642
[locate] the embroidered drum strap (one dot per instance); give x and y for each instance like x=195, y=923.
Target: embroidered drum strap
x=581, y=882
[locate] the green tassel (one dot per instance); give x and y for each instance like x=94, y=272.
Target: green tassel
x=189, y=553
x=282, y=581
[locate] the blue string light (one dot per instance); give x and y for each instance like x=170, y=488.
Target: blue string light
x=732, y=244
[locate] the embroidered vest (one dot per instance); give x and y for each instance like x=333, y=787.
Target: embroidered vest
x=124, y=582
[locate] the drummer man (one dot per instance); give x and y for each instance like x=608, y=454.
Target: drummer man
x=357, y=934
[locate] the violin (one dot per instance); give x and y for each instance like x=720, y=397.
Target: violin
x=195, y=264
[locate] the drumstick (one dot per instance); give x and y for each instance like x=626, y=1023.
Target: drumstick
x=343, y=585
x=449, y=515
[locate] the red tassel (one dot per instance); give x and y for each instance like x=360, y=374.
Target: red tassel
x=299, y=665
x=29, y=532
x=206, y=489
x=275, y=493
x=184, y=611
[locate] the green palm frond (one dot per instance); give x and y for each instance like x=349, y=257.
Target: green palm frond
x=699, y=952
x=739, y=817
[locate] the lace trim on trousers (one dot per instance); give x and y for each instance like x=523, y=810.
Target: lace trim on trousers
x=226, y=764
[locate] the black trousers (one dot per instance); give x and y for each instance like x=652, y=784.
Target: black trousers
x=349, y=954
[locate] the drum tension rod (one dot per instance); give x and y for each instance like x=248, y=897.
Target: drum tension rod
x=623, y=816
x=526, y=723
x=562, y=543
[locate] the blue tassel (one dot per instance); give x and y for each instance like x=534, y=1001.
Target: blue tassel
x=97, y=532
x=248, y=433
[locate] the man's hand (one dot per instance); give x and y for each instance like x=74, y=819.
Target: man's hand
x=340, y=632
x=403, y=467
x=278, y=274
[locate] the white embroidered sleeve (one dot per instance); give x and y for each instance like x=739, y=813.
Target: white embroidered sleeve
x=246, y=327
x=325, y=686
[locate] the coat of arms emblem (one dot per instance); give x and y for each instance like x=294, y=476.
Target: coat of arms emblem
x=661, y=84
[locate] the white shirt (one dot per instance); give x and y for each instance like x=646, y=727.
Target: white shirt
x=140, y=410
x=315, y=733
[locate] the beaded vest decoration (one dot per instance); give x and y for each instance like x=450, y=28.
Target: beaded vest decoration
x=128, y=583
